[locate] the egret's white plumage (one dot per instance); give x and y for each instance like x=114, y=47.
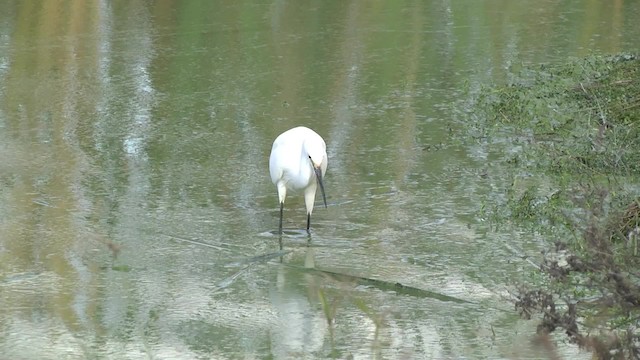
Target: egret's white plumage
x=298, y=161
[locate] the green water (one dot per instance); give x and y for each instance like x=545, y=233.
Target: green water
x=137, y=217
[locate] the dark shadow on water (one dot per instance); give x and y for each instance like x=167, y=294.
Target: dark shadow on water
x=291, y=233
x=396, y=287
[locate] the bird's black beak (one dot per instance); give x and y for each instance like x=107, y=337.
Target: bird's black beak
x=318, y=171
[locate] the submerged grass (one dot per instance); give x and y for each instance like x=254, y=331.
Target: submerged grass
x=573, y=138
x=581, y=118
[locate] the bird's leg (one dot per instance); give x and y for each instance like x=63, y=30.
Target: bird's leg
x=309, y=199
x=281, y=210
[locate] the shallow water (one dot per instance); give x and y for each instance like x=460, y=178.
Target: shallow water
x=137, y=217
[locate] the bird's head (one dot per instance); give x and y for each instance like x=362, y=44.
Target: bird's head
x=317, y=153
x=318, y=158
x=318, y=161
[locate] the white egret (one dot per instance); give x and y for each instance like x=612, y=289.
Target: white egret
x=298, y=161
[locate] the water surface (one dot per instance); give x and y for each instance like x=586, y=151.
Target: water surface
x=137, y=217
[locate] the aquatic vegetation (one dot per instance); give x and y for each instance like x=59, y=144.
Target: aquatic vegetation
x=572, y=134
